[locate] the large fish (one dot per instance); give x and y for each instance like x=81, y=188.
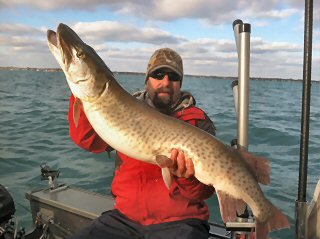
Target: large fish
x=137, y=130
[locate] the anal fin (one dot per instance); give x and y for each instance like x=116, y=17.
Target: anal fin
x=230, y=206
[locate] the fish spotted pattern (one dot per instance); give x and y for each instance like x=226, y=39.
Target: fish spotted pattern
x=139, y=131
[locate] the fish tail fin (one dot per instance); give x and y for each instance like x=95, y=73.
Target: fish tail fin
x=276, y=221
x=260, y=166
x=230, y=206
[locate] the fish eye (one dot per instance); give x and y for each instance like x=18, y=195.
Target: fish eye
x=80, y=54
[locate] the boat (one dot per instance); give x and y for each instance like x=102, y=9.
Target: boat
x=59, y=210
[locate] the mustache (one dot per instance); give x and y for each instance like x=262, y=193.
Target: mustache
x=163, y=90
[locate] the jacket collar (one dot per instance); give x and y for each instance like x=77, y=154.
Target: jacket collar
x=186, y=100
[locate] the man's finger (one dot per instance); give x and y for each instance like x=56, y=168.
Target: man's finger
x=174, y=154
x=190, y=168
x=181, y=164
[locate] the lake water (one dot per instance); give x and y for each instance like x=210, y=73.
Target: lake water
x=34, y=129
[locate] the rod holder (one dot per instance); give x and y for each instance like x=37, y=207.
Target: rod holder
x=241, y=91
x=301, y=222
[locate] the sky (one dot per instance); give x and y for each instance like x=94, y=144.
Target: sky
x=125, y=33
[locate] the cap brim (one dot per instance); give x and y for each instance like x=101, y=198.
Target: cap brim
x=166, y=66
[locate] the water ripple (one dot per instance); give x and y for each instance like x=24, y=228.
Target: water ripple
x=34, y=129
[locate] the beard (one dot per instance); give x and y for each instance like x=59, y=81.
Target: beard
x=162, y=102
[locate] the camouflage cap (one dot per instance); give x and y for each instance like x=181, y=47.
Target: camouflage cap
x=165, y=58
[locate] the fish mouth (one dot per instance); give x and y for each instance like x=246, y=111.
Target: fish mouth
x=52, y=38
x=55, y=48
x=65, y=40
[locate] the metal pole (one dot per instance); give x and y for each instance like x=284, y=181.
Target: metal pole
x=234, y=85
x=240, y=87
x=301, y=204
x=236, y=30
x=243, y=94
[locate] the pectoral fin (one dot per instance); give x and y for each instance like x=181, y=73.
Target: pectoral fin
x=77, y=107
x=167, y=177
x=165, y=162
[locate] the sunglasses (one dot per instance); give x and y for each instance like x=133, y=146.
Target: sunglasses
x=160, y=74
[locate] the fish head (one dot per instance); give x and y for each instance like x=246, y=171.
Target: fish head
x=86, y=73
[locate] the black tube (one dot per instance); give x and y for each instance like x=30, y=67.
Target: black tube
x=236, y=22
x=246, y=27
x=234, y=83
x=301, y=203
x=304, y=138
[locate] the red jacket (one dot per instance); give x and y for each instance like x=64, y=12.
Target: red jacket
x=139, y=190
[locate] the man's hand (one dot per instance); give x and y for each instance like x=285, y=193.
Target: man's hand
x=177, y=163
x=181, y=166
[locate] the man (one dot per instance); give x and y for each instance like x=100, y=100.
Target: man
x=144, y=206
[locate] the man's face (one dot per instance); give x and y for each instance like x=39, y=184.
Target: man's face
x=163, y=86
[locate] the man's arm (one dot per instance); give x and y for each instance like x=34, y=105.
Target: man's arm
x=193, y=189
x=207, y=125
x=84, y=135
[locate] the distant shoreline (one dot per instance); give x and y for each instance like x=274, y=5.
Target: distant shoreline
x=12, y=68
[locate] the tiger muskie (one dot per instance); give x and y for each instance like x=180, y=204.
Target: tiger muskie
x=139, y=131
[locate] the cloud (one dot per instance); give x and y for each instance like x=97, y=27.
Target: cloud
x=22, y=38
x=127, y=47
x=55, y=5
x=212, y=11
x=120, y=32
x=259, y=46
x=202, y=56
x=18, y=29
x=277, y=14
